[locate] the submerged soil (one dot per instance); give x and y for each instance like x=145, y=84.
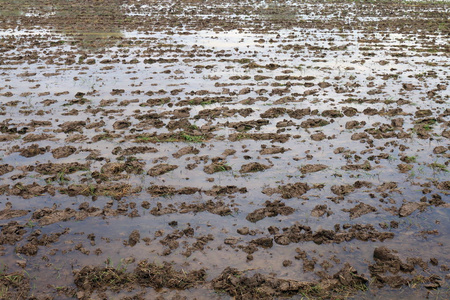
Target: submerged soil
x=212, y=150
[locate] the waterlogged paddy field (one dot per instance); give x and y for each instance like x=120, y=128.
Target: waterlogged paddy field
x=212, y=150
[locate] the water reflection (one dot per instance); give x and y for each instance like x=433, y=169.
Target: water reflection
x=92, y=24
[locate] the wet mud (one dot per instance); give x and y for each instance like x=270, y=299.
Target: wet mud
x=216, y=150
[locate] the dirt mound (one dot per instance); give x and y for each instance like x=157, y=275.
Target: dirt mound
x=216, y=167
x=32, y=137
x=408, y=208
x=260, y=286
x=272, y=209
x=186, y=150
x=133, y=150
x=54, y=168
x=65, y=151
x=300, y=233
x=12, y=233
x=158, y=276
x=312, y=123
x=217, y=208
x=30, y=190
x=312, y=168
x=14, y=286
x=5, y=169
x=387, y=263
x=91, y=278
x=320, y=210
x=273, y=150
x=253, y=167
x=342, y=189
x=115, y=190
x=288, y=191
x=359, y=210
x=161, y=169
x=32, y=150
x=12, y=213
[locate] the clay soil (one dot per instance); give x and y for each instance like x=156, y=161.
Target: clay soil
x=224, y=149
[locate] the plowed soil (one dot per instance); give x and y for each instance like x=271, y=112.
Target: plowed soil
x=224, y=150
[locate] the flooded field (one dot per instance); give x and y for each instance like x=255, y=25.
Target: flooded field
x=224, y=150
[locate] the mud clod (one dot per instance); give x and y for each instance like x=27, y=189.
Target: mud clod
x=272, y=209
x=289, y=191
x=63, y=151
x=312, y=168
x=359, y=210
x=161, y=169
x=253, y=167
x=134, y=238
x=284, y=137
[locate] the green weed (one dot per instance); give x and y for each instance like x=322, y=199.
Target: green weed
x=192, y=138
x=438, y=167
x=410, y=159
x=143, y=139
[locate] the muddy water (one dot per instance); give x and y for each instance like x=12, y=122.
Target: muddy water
x=190, y=133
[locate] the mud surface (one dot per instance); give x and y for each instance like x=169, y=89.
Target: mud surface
x=216, y=150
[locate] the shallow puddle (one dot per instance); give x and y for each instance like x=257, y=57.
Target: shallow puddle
x=265, y=150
